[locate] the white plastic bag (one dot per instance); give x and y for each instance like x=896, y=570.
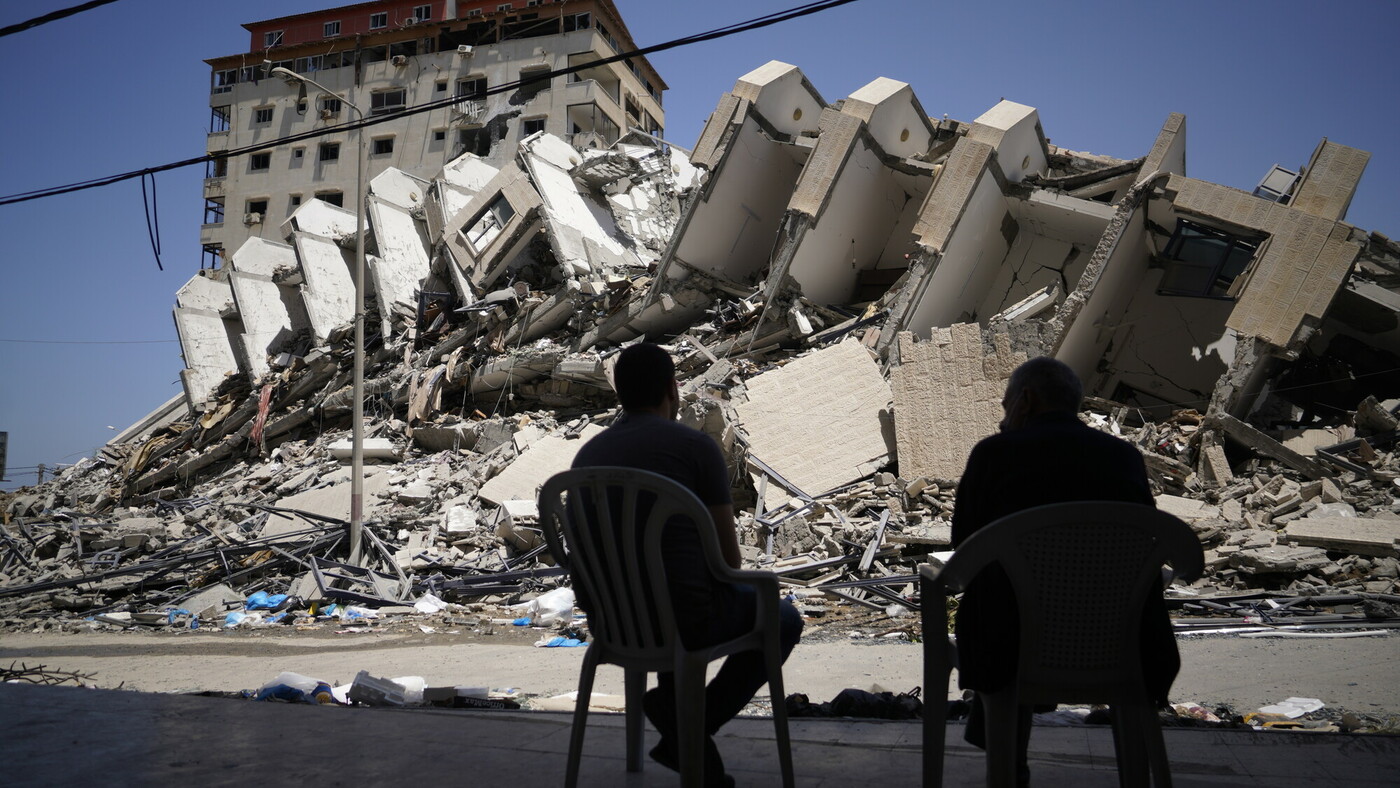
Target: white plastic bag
x=551, y=608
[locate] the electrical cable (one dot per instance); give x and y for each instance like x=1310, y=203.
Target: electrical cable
x=717, y=33
x=10, y=30
x=152, y=210
x=88, y=342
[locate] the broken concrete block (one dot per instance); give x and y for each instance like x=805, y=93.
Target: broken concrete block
x=415, y=494
x=546, y=457
x=1358, y=535
x=947, y=395
x=1186, y=508
x=213, y=601
x=518, y=523
x=374, y=449
x=1279, y=560
x=794, y=412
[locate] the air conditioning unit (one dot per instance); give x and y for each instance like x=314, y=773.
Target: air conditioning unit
x=252, y=218
x=327, y=114
x=399, y=60
x=464, y=49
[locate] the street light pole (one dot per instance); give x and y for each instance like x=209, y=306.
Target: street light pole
x=357, y=413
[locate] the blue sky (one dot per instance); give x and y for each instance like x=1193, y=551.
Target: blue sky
x=124, y=87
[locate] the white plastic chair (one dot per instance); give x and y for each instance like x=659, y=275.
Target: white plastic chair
x=605, y=524
x=1081, y=573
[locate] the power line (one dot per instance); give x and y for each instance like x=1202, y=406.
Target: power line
x=51, y=17
x=710, y=35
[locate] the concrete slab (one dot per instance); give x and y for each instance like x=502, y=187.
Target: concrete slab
x=329, y=501
x=546, y=457
x=402, y=263
x=947, y=396
x=1358, y=535
x=328, y=289
x=818, y=420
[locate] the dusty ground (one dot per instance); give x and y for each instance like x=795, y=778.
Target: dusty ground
x=1361, y=675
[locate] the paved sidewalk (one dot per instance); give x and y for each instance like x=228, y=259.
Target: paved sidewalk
x=70, y=736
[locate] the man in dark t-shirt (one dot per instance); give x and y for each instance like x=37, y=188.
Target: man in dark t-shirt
x=707, y=611
x=1044, y=454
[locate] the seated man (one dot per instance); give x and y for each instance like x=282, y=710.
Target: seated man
x=648, y=437
x=1042, y=455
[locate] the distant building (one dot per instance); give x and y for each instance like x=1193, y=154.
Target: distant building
x=390, y=55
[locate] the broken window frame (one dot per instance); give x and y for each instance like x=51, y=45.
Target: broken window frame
x=529, y=89
x=214, y=211
x=487, y=225
x=383, y=102
x=219, y=118
x=471, y=87
x=530, y=126
x=330, y=104
x=223, y=80
x=336, y=198
x=260, y=162
x=258, y=206
x=1204, y=275
x=583, y=21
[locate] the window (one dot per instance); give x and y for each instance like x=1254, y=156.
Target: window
x=330, y=151
x=485, y=227
x=334, y=198
x=423, y=12
x=218, y=119
x=387, y=101
x=531, y=126
x=272, y=39
x=503, y=7
x=310, y=63
x=330, y=106
x=532, y=81
x=574, y=22
x=262, y=115
x=382, y=146
x=474, y=12
x=473, y=87
x=216, y=168
x=259, y=162
x=439, y=135
x=379, y=21
x=224, y=80
x=257, y=206
x=328, y=30
x=214, y=211
x=298, y=153
x=1203, y=262
x=293, y=201
x=440, y=86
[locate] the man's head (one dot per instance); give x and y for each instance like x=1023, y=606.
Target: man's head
x=1041, y=385
x=645, y=380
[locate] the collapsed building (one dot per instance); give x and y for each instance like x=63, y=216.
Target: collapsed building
x=845, y=286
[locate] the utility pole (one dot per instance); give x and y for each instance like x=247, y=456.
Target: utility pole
x=41, y=473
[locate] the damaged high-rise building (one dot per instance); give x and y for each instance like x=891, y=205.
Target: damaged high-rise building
x=845, y=287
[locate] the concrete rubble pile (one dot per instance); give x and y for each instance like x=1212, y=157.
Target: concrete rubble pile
x=845, y=287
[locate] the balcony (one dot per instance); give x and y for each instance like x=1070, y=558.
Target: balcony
x=215, y=187
x=218, y=141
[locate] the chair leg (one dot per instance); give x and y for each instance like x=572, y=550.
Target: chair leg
x=935, y=726
x=1002, y=737
x=690, y=724
x=585, y=694
x=1129, y=745
x=1157, y=750
x=774, y=664
x=636, y=685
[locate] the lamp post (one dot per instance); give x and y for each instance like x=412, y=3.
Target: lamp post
x=357, y=450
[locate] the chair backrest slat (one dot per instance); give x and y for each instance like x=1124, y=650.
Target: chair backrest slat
x=605, y=524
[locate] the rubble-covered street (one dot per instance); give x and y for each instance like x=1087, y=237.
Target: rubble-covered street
x=845, y=288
